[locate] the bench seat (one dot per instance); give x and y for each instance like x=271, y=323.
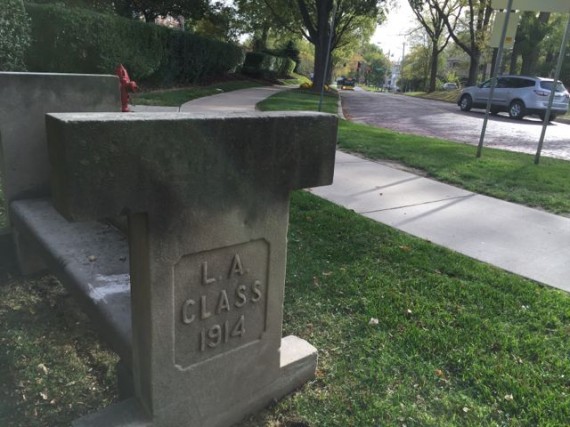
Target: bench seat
x=92, y=261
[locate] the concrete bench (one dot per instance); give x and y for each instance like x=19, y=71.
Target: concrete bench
x=192, y=300
x=90, y=258
x=207, y=200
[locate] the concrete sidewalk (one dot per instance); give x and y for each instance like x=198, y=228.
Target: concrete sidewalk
x=525, y=241
x=239, y=100
x=518, y=239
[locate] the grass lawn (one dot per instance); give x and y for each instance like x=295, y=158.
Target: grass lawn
x=176, y=97
x=498, y=173
x=408, y=334
x=300, y=99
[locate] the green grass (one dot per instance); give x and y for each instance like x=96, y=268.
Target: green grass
x=457, y=342
x=300, y=99
x=176, y=97
x=408, y=333
x=295, y=79
x=503, y=174
x=441, y=95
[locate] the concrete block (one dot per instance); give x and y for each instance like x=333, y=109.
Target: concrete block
x=207, y=197
x=25, y=98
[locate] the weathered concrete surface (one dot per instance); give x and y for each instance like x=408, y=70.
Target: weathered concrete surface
x=220, y=159
x=90, y=258
x=207, y=198
x=25, y=98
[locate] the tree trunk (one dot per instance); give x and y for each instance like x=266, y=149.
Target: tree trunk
x=529, y=62
x=475, y=59
x=514, y=57
x=324, y=8
x=433, y=67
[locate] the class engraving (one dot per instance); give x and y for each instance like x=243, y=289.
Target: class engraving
x=220, y=300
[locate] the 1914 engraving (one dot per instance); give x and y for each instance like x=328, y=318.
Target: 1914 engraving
x=220, y=300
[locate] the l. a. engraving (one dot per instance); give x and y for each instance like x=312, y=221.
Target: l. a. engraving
x=220, y=299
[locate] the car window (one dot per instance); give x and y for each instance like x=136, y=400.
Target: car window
x=487, y=84
x=503, y=82
x=548, y=86
x=514, y=83
x=527, y=83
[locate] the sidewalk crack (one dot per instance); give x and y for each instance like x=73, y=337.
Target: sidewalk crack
x=419, y=204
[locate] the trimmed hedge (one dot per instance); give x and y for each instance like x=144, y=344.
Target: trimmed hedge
x=267, y=65
x=14, y=35
x=73, y=40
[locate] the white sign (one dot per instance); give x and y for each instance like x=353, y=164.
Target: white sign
x=498, y=29
x=535, y=5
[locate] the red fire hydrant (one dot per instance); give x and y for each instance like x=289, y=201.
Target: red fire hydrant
x=127, y=85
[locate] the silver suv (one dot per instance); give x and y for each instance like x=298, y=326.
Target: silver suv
x=518, y=95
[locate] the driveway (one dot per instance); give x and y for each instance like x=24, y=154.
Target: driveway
x=445, y=120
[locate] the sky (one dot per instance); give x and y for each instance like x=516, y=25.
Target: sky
x=391, y=34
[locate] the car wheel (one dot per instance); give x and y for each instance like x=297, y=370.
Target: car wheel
x=517, y=110
x=465, y=103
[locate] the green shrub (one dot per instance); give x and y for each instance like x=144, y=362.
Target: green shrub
x=189, y=58
x=267, y=65
x=14, y=35
x=74, y=40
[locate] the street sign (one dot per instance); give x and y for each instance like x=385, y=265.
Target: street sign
x=498, y=29
x=535, y=5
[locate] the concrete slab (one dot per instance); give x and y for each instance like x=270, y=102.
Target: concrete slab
x=521, y=240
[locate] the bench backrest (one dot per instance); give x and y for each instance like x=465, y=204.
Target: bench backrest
x=25, y=98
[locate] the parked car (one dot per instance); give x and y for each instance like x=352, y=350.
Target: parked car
x=517, y=95
x=346, y=83
x=450, y=86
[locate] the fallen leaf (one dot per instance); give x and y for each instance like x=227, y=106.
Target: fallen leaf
x=43, y=395
x=43, y=368
x=509, y=397
x=373, y=321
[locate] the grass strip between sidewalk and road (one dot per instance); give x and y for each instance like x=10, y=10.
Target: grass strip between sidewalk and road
x=453, y=95
x=498, y=173
x=407, y=332
x=176, y=97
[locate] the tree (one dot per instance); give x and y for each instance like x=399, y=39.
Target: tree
x=152, y=9
x=219, y=23
x=415, y=69
x=434, y=25
x=258, y=19
x=375, y=65
x=353, y=19
x=532, y=30
x=468, y=27
x=14, y=35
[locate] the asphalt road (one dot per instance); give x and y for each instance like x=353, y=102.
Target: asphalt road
x=445, y=120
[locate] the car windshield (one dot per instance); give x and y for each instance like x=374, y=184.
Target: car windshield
x=548, y=86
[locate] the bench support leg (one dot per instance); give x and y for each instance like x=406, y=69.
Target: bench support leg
x=29, y=259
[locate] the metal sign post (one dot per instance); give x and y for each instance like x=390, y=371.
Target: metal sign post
x=494, y=76
x=553, y=92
